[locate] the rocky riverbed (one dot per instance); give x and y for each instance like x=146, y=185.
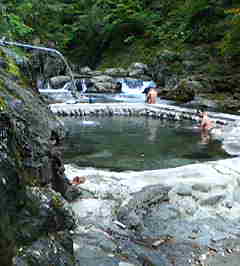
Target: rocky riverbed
x=182, y=216
x=187, y=215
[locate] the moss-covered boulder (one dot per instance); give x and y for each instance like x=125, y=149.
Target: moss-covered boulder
x=30, y=162
x=184, y=91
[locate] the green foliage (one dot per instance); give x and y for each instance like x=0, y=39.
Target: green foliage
x=119, y=10
x=230, y=44
x=86, y=28
x=17, y=26
x=2, y=104
x=57, y=201
x=12, y=24
x=188, y=21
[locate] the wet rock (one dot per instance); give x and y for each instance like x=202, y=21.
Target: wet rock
x=106, y=261
x=34, y=212
x=181, y=253
x=162, y=223
x=184, y=91
x=201, y=187
x=213, y=200
x=142, y=200
x=223, y=260
x=203, y=102
x=182, y=190
x=103, y=83
x=85, y=70
x=58, y=82
x=98, y=212
x=230, y=137
x=116, y=72
x=138, y=70
x=44, y=252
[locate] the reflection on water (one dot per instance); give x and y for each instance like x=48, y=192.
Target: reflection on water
x=131, y=143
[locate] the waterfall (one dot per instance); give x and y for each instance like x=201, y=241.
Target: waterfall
x=84, y=86
x=134, y=86
x=7, y=43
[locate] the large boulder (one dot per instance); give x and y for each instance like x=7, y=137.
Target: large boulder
x=184, y=91
x=138, y=70
x=58, y=82
x=104, y=83
x=30, y=136
x=116, y=72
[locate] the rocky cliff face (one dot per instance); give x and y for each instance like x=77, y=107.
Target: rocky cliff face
x=197, y=73
x=35, y=219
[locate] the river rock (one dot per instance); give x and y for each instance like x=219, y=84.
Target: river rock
x=58, y=82
x=116, y=72
x=35, y=217
x=166, y=213
x=104, y=83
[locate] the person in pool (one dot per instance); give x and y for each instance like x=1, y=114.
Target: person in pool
x=152, y=96
x=206, y=125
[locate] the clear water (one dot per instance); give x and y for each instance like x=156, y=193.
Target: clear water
x=132, y=143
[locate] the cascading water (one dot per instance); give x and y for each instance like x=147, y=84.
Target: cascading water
x=84, y=87
x=8, y=43
x=134, y=86
x=132, y=89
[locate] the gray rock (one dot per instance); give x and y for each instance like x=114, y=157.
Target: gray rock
x=116, y=72
x=58, y=82
x=213, y=200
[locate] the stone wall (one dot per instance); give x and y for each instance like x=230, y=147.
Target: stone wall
x=158, y=111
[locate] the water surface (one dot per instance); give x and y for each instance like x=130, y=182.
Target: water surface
x=133, y=143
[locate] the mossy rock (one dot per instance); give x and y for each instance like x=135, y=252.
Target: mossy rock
x=179, y=96
x=184, y=91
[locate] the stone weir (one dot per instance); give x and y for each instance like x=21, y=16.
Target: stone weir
x=158, y=111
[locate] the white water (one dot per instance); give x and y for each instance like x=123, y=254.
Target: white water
x=46, y=49
x=134, y=86
x=132, y=91
x=84, y=87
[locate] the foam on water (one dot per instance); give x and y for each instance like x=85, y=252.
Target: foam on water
x=135, y=86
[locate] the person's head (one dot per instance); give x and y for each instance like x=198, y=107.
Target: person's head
x=152, y=89
x=119, y=84
x=201, y=112
x=146, y=90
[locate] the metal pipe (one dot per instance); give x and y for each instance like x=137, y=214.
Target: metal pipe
x=7, y=43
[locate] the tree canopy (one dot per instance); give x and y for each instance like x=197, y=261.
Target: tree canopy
x=88, y=27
